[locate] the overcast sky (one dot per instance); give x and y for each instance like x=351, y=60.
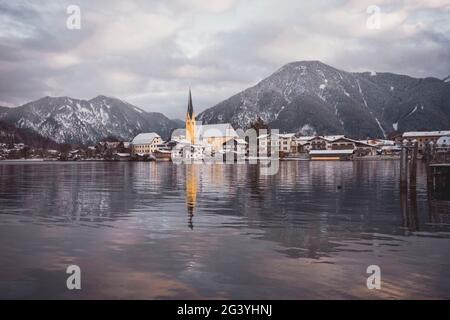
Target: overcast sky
x=149, y=52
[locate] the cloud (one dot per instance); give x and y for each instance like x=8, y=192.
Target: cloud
x=149, y=52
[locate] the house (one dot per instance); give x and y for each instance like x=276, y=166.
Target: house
x=266, y=144
x=320, y=143
x=145, y=143
x=286, y=143
x=361, y=148
x=424, y=137
x=302, y=143
x=333, y=143
x=216, y=135
x=122, y=156
x=235, y=148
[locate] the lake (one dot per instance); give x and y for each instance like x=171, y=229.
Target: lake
x=164, y=231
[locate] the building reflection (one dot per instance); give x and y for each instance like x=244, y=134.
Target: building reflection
x=410, y=217
x=191, y=191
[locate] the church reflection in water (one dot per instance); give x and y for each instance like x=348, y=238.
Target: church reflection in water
x=191, y=191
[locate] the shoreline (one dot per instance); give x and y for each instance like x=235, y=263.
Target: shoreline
x=368, y=158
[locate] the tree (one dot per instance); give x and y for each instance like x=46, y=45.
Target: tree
x=258, y=125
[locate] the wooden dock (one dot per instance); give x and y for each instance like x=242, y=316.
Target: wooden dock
x=440, y=180
x=437, y=161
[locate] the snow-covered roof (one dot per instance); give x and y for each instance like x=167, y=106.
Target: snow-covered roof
x=357, y=142
x=145, y=138
x=332, y=138
x=327, y=152
x=305, y=138
x=286, y=135
x=425, y=134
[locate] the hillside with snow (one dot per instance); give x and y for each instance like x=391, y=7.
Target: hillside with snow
x=311, y=97
x=69, y=120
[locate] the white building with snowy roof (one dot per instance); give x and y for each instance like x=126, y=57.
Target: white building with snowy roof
x=424, y=137
x=213, y=136
x=145, y=143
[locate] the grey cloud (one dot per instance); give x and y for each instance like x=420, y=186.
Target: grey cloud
x=249, y=41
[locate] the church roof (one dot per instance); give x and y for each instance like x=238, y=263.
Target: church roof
x=190, y=109
x=210, y=131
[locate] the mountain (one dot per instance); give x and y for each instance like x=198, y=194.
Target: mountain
x=311, y=97
x=10, y=134
x=69, y=120
x=3, y=110
x=180, y=123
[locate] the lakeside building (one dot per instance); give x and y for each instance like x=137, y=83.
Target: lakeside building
x=424, y=137
x=145, y=143
x=287, y=144
x=310, y=144
x=197, y=141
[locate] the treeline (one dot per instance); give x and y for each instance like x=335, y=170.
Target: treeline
x=10, y=135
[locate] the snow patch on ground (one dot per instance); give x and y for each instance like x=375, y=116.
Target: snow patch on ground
x=140, y=111
x=392, y=88
x=414, y=110
x=362, y=95
x=395, y=126
x=381, y=128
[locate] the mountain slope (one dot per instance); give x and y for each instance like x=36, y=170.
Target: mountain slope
x=317, y=97
x=9, y=134
x=3, y=110
x=86, y=121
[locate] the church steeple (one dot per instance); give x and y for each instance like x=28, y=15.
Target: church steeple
x=190, y=121
x=190, y=110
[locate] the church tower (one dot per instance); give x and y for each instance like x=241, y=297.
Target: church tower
x=190, y=121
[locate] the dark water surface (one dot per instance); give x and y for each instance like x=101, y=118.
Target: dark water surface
x=159, y=230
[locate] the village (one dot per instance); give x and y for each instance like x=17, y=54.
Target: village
x=221, y=142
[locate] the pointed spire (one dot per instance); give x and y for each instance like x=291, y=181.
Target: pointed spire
x=190, y=110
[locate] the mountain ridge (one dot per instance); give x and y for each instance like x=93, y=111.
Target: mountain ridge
x=71, y=120
x=309, y=94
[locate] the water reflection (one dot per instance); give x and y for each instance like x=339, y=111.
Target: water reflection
x=191, y=191
x=309, y=231
x=410, y=218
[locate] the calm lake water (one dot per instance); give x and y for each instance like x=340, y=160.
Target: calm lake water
x=160, y=230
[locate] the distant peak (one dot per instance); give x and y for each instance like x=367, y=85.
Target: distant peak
x=306, y=63
x=100, y=96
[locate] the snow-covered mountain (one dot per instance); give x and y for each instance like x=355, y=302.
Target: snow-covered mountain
x=311, y=97
x=9, y=134
x=65, y=119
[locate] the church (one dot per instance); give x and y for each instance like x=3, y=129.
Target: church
x=197, y=140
